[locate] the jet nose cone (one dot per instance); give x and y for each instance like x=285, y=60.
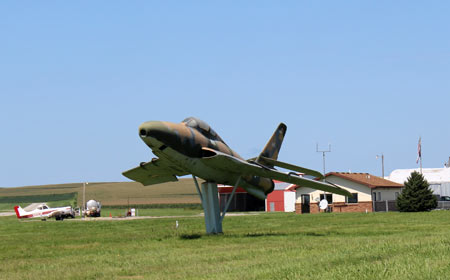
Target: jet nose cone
x=155, y=134
x=161, y=135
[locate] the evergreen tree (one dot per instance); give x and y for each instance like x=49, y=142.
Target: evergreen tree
x=416, y=196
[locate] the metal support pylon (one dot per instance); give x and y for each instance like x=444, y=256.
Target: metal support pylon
x=213, y=222
x=210, y=201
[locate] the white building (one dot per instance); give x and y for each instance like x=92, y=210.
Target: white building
x=438, y=178
x=282, y=198
x=367, y=190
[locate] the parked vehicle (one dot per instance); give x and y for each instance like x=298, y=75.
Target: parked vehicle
x=93, y=208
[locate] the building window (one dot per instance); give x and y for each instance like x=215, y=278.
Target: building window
x=329, y=198
x=379, y=196
x=353, y=199
x=374, y=196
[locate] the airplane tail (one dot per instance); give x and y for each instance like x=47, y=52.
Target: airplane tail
x=20, y=213
x=272, y=147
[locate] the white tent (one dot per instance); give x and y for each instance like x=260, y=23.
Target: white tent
x=438, y=178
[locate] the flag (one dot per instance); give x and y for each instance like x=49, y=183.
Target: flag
x=419, y=150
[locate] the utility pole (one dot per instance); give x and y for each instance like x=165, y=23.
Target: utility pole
x=382, y=164
x=84, y=200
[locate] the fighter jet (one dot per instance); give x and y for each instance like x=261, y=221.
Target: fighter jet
x=193, y=147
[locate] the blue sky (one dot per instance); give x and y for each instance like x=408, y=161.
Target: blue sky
x=77, y=79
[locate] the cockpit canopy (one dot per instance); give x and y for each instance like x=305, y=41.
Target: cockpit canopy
x=203, y=128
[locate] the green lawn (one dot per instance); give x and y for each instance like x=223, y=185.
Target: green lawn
x=9, y=207
x=117, y=212
x=266, y=246
x=7, y=203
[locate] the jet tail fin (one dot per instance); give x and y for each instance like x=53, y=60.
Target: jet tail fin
x=272, y=147
x=20, y=213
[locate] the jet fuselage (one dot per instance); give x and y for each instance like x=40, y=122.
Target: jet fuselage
x=186, y=144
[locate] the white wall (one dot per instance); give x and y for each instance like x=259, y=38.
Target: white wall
x=441, y=189
x=432, y=175
x=289, y=201
x=387, y=193
x=314, y=194
x=364, y=192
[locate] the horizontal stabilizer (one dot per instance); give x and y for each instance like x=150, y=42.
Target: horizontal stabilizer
x=241, y=167
x=306, y=171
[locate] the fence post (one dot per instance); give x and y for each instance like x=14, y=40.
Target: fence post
x=387, y=206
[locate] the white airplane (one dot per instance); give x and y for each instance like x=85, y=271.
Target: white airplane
x=41, y=210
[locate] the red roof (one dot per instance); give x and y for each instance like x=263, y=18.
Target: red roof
x=366, y=179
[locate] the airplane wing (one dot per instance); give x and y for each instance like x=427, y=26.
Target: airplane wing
x=51, y=214
x=154, y=172
x=238, y=166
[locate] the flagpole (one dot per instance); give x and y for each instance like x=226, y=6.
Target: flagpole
x=419, y=151
x=421, y=163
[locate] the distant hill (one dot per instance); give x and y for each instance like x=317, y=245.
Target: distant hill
x=119, y=193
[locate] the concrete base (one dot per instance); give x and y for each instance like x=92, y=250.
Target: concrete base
x=211, y=208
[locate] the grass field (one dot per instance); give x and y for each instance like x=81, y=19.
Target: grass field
x=121, y=212
x=7, y=203
x=265, y=246
x=9, y=207
x=116, y=193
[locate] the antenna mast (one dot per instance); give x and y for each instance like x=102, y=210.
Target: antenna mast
x=323, y=155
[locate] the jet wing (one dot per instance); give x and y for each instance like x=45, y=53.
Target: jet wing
x=154, y=172
x=235, y=165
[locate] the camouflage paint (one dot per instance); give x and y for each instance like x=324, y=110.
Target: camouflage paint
x=272, y=148
x=192, y=135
